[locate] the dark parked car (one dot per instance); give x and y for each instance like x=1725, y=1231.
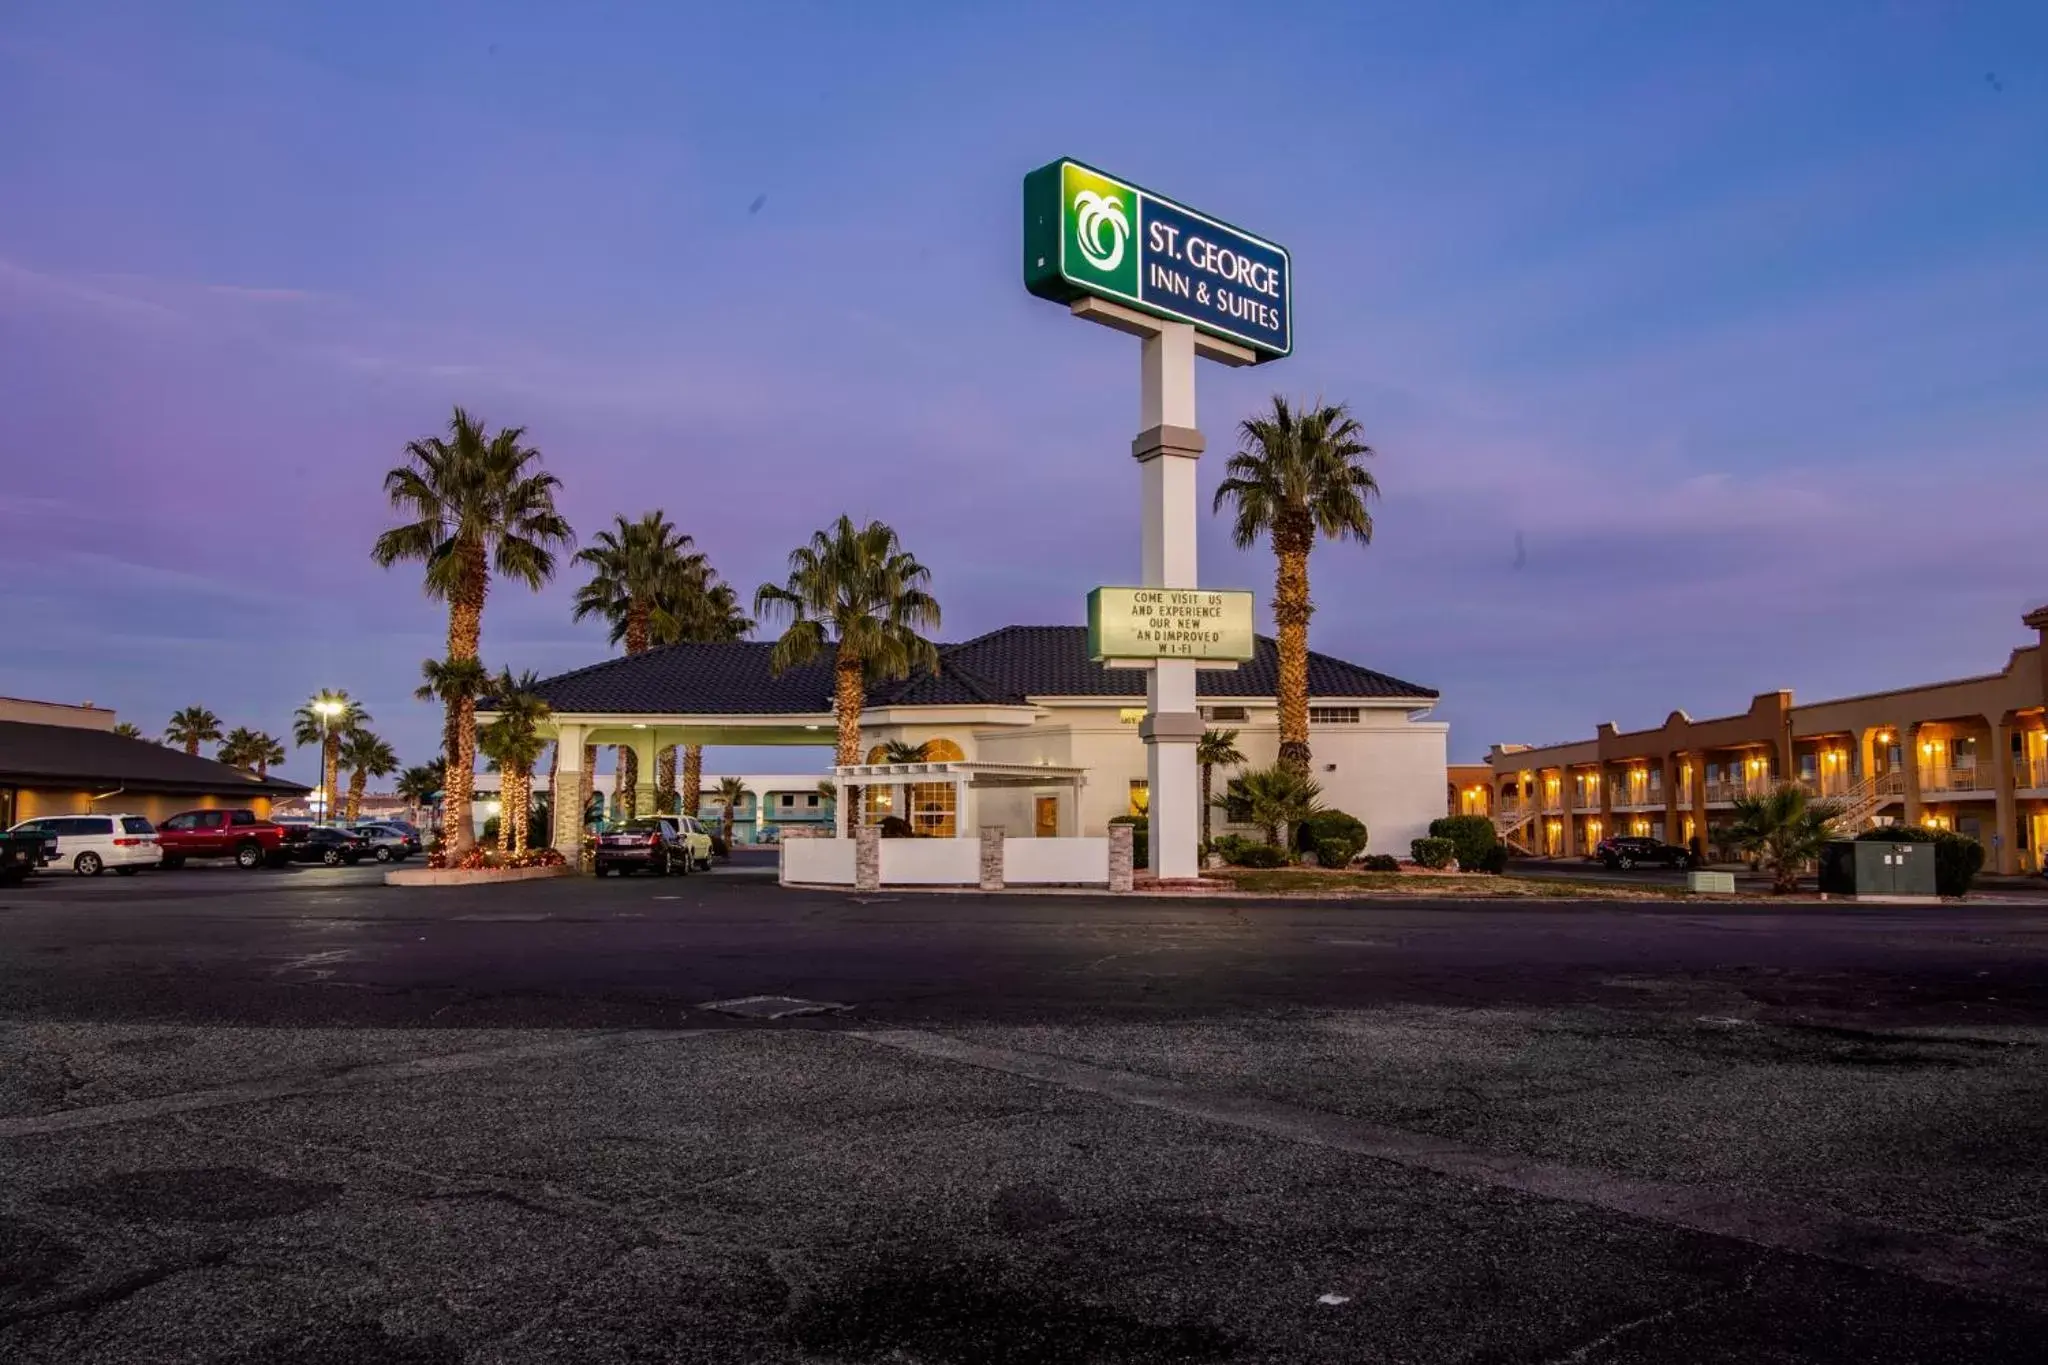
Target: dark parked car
x=22, y=852
x=654, y=844
x=326, y=844
x=1628, y=851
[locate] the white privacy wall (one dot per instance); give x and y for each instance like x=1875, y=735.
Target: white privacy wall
x=1046, y=862
x=1390, y=776
x=818, y=862
x=929, y=862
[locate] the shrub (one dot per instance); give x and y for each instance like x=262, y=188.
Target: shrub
x=1494, y=861
x=896, y=827
x=1260, y=855
x=1141, y=838
x=1380, y=862
x=1896, y=834
x=1471, y=836
x=491, y=827
x=1957, y=860
x=1433, y=852
x=1227, y=846
x=1334, y=837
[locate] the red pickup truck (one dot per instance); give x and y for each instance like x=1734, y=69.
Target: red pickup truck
x=236, y=834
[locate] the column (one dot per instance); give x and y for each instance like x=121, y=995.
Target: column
x=962, y=816
x=1866, y=754
x=2004, y=854
x=1606, y=803
x=1699, y=799
x=1167, y=448
x=991, y=858
x=1670, y=777
x=1909, y=752
x=565, y=802
x=642, y=743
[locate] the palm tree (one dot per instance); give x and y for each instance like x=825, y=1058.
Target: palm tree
x=477, y=504
x=365, y=756
x=858, y=590
x=900, y=751
x=420, y=784
x=513, y=740
x=456, y=684
x=192, y=727
x=128, y=729
x=1274, y=799
x=1297, y=476
x=235, y=748
x=264, y=750
x=1216, y=749
x=730, y=791
x=1785, y=828
x=636, y=568
x=325, y=720
x=704, y=609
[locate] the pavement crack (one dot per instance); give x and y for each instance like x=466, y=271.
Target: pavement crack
x=1584, y=1350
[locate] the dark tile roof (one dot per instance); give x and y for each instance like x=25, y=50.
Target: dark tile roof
x=72, y=756
x=1004, y=667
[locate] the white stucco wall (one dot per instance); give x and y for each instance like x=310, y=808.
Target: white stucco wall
x=1387, y=769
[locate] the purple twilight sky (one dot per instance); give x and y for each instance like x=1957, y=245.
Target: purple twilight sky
x=1705, y=346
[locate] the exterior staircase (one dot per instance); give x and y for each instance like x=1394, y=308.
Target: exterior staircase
x=1854, y=808
x=1508, y=823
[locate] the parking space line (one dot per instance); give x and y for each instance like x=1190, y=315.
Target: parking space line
x=328, y=1083
x=1938, y=1258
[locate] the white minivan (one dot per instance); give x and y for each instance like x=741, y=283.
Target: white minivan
x=90, y=844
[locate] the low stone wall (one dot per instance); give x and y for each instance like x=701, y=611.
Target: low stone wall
x=467, y=876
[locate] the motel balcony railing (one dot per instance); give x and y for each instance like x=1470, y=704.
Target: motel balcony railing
x=2030, y=773
x=1937, y=779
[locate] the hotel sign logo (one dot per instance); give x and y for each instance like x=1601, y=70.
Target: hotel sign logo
x=1089, y=233
x=1170, y=623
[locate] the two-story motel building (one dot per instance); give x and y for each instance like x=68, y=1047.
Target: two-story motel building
x=1970, y=755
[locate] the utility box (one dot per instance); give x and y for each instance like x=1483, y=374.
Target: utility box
x=1710, y=883
x=1875, y=869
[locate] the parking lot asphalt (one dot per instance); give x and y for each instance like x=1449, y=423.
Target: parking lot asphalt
x=300, y=1116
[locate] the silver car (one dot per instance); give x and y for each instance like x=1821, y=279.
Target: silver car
x=388, y=843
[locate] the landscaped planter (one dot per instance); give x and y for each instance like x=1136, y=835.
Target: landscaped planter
x=465, y=876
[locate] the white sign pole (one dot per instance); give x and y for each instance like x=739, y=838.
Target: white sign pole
x=1167, y=448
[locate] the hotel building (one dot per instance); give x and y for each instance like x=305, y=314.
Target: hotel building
x=1969, y=755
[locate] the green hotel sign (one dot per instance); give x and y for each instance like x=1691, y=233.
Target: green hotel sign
x=1170, y=623
x=1089, y=233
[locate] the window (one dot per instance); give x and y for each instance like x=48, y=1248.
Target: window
x=1229, y=713
x=932, y=809
x=1333, y=715
x=943, y=751
x=211, y=819
x=788, y=801
x=135, y=824
x=182, y=822
x=1963, y=753
x=242, y=817
x=1141, y=796
x=92, y=824
x=811, y=801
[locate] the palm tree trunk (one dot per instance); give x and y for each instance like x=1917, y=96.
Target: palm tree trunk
x=330, y=776
x=357, y=781
x=1207, y=772
x=585, y=787
x=1291, y=610
x=693, y=778
x=629, y=781
x=665, y=780
x=849, y=694
x=465, y=627
x=192, y=747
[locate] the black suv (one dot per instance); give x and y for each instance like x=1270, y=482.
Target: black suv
x=1626, y=851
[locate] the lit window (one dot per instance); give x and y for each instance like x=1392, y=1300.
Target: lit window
x=1141, y=796
x=943, y=751
x=1333, y=715
x=932, y=809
